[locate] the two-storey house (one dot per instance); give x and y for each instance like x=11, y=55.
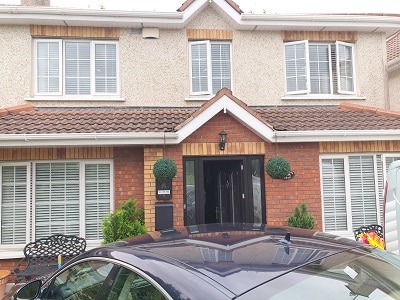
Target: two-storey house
x=91, y=99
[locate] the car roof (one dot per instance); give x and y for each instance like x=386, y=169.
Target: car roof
x=232, y=258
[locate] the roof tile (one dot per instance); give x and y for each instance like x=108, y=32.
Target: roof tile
x=156, y=119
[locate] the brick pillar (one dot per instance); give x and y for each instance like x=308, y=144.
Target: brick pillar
x=151, y=155
x=35, y=2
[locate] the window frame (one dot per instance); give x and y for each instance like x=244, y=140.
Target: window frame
x=333, y=83
x=62, y=61
x=208, y=44
x=31, y=196
x=28, y=201
x=378, y=202
x=307, y=69
x=339, y=86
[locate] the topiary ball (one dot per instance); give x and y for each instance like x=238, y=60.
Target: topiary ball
x=164, y=169
x=277, y=167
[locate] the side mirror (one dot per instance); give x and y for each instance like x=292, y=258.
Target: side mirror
x=29, y=291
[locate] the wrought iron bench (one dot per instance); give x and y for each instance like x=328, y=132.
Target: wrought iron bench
x=41, y=256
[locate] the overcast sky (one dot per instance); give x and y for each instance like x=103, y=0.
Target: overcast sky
x=255, y=6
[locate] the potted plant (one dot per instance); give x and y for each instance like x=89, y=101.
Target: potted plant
x=278, y=168
x=164, y=169
x=301, y=218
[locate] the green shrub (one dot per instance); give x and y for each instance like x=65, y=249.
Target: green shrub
x=164, y=169
x=301, y=218
x=125, y=222
x=277, y=167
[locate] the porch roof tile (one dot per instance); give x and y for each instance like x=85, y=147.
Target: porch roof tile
x=40, y=120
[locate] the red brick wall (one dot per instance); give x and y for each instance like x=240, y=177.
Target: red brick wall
x=209, y=132
x=128, y=170
x=283, y=195
x=175, y=153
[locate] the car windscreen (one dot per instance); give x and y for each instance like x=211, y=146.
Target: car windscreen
x=346, y=275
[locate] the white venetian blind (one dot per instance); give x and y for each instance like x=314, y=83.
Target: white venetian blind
x=221, y=66
x=97, y=198
x=77, y=68
x=106, y=68
x=362, y=191
x=56, y=199
x=320, y=79
x=14, y=199
x=334, y=194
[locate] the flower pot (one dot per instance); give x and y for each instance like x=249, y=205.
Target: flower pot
x=3, y=281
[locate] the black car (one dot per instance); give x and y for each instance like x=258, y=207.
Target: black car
x=225, y=261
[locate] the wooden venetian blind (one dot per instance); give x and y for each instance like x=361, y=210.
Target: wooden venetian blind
x=209, y=34
x=349, y=36
x=77, y=31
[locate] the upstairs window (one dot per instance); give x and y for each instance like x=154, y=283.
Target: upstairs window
x=319, y=68
x=210, y=67
x=76, y=67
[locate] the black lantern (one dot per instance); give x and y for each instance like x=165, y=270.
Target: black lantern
x=222, y=140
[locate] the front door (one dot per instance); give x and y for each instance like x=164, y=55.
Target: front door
x=224, y=190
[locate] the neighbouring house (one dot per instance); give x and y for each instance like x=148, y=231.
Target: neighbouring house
x=91, y=99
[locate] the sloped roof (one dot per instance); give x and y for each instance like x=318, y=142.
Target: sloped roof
x=342, y=117
x=27, y=125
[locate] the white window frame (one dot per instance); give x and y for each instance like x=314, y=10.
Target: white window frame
x=62, y=85
x=208, y=44
x=349, y=232
x=28, y=201
x=307, y=91
x=307, y=68
x=36, y=72
x=341, y=90
x=31, y=182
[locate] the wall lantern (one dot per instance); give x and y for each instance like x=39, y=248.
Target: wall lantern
x=222, y=140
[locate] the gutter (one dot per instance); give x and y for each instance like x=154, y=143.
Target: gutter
x=175, y=138
x=336, y=136
x=88, y=139
x=119, y=18
x=88, y=17
x=62, y=11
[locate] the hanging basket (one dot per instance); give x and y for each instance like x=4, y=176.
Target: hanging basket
x=164, y=169
x=278, y=168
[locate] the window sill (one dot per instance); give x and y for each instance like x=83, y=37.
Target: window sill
x=322, y=97
x=78, y=98
x=199, y=98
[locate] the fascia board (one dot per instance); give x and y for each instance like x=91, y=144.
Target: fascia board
x=251, y=122
x=30, y=15
x=356, y=22
x=87, y=139
x=226, y=104
x=336, y=136
x=231, y=12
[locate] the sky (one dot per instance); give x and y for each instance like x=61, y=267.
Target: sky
x=253, y=6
